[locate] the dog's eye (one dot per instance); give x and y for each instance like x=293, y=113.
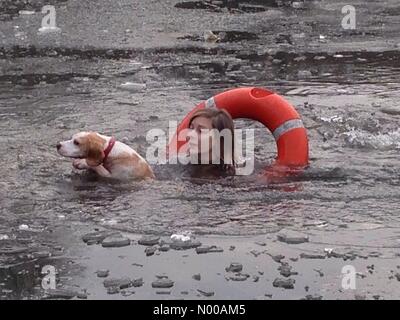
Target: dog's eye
x=76, y=143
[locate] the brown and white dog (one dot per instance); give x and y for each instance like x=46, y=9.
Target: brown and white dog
x=104, y=155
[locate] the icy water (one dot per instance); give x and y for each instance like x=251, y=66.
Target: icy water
x=348, y=102
x=353, y=133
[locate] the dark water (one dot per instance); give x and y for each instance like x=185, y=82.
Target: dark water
x=348, y=102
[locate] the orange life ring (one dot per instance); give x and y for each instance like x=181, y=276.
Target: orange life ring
x=271, y=110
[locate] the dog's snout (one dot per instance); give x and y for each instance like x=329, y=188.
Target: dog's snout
x=58, y=146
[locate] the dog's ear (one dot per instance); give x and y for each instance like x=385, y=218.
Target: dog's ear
x=95, y=153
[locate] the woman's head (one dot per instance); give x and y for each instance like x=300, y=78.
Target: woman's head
x=212, y=134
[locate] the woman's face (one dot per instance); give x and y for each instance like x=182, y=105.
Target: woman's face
x=200, y=135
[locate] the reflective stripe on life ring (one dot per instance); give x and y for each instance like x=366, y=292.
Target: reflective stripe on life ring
x=287, y=126
x=210, y=103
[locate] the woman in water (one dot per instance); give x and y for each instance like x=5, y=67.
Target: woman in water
x=211, y=143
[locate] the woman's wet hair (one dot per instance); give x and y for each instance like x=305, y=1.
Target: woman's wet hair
x=220, y=120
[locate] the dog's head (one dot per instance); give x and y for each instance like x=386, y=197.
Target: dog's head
x=88, y=145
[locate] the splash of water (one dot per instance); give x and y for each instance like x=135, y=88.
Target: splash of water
x=379, y=141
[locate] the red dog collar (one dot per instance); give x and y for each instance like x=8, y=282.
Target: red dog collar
x=109, y=148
